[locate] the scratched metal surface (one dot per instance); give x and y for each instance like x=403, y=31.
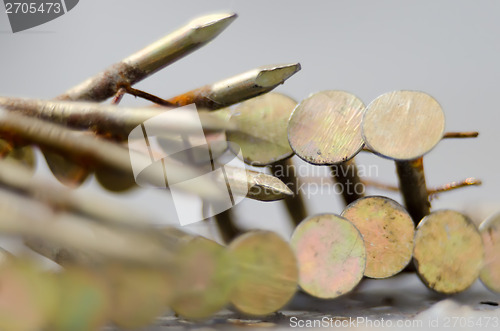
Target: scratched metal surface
x=325, y=128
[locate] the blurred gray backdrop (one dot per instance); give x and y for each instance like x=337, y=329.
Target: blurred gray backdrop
x=449, y=49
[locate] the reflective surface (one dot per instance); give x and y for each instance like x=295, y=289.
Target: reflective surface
x=325, y=128
x=403, y=125
x=331, y=255
x=262, y=128
x=490, y=273
x=267, y=273
x=387, y=230
x=448, y=251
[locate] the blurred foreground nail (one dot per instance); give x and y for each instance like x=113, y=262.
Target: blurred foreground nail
x=261, y=133
x=204, y=279
x=403, y=126
x=490, y=273
x=331, y=255
x=25, y=154
x=448, y=252
x=111, y=121
x=138, y=295
x=84, y=301
x=92, y=151
x=238, y=88
x=267, y=272
x=114, y=181
x=325, y=129
x=228, y=229
x=261, y=128
x=28, y=297
x=387, y=231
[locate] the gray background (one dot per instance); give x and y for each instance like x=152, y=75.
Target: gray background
x=449, y=49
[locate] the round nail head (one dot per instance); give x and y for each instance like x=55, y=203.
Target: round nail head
x=325, y=128
x=388, y=232
x=262, y=128
x=448, y=251
x=490, y=273
x=403, y=125
x=204, y=279
x=331, y=255
x=267, y=272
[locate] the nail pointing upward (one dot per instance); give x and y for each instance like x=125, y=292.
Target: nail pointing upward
x=151, y=59
x=275, y=75
x=210, y=26
x=176, y=45
x=238, y=88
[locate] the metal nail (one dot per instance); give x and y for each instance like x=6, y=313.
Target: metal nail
x=238, y=88
x=490, y=272
x=403, y=126
x=387, y=231
x=267, y=272
x=331, y=255
x=261, y=134
x=448, y=252
x=149, y=60
x=325, y=129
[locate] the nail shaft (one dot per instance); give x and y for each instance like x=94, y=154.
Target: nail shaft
x=133, y=69
x=88, y=150
x=346, y=175
x=110, y=120
x=227, y=228
x=238, y=88
x=285, y=171
x=413, y=188
x=30, y=219
x=154, y=57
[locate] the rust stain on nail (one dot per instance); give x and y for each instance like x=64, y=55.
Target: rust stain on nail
x=448, y=251
x=387, y=230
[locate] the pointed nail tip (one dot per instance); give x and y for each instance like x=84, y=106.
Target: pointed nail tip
x=277, y=74
x=220, y=20
x=288, y=192
x=296, y=66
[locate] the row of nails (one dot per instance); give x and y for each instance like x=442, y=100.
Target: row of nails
x=138, y=67
x=258, y=273
x=222, y=94
x=262, y=142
